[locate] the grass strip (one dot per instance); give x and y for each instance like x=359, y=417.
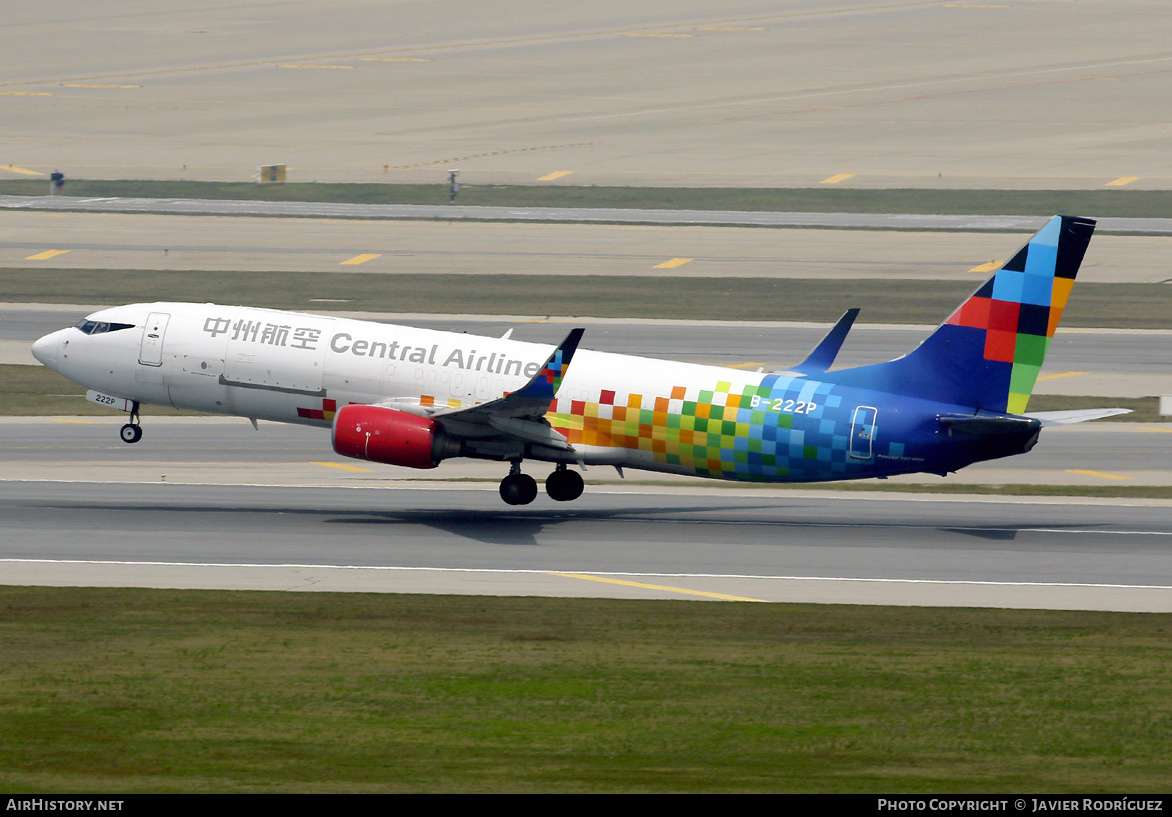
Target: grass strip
x=1095, y=203
x=128, y=690
x=36, y=391
x=1130, y=306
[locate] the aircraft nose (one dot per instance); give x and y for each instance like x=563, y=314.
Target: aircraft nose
x=45, y=349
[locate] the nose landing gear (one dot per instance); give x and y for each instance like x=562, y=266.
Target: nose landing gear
x=132, y=431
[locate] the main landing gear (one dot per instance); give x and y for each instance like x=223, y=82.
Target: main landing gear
x=132, y=431
x=562, y=485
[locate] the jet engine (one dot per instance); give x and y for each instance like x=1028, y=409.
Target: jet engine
x=394, y=437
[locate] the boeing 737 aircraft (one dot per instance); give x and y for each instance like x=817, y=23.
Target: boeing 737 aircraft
x=413, y=397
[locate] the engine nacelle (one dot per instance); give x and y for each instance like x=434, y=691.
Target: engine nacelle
x=394, y=437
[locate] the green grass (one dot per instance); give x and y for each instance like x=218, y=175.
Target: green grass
x=1096, y=203
x=35, y=391
x=123, y=690
x=1138, y=306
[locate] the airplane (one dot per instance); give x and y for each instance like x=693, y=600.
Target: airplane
x=414, y=397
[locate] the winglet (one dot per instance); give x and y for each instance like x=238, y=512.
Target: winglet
x=822, y=358
x=530, y=402
x=545, y=384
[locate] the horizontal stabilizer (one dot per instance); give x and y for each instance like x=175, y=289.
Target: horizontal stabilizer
x=1061, y=418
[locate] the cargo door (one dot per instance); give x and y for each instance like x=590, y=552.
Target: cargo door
x=863, y=433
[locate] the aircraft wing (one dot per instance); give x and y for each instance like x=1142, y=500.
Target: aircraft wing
x=520, y=413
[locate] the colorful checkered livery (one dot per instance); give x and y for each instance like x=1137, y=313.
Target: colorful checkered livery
x=554, y=371
x=545, y=383
x=782, y=428
x=1018, y=310
x=328, y=409
x=988, y=353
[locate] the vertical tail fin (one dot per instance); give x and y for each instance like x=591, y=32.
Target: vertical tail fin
x=989, y=351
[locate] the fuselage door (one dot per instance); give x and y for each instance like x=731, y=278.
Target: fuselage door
x=863, y=433
x=150, y=353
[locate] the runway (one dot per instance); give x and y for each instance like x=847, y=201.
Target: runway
x=82, y=241
x=738, y=546
x=212, y=503
x=730, y=218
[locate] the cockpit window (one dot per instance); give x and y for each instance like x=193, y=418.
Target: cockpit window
x=89, y=327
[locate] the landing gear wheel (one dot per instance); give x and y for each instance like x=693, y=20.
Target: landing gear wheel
x=563, y=485
x=131, y=433
x=518, y=489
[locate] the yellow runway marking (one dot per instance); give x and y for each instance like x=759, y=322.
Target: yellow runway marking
x=21, y=170
x=1061, y=374
x=731, y=28
x=841, y=177
x=24, y=93
x=1165, y=430
x=744, y=365
x=557, y=174
x=74, y=85
x=41, y=256
x=79, y=422
x=318, y=66
x=1122, y=180
x=673, y=263
x=361, y=259
x=391, y=59
x=1095, y=474
x=654, y=587
x=992, y=265
x=659, y=35
x=343, y=467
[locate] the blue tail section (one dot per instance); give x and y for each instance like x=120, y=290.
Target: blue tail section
x=988, y=353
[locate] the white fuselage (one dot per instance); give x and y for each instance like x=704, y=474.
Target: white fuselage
x=300, y=368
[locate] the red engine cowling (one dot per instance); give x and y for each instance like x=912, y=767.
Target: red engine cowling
x=385, y=435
